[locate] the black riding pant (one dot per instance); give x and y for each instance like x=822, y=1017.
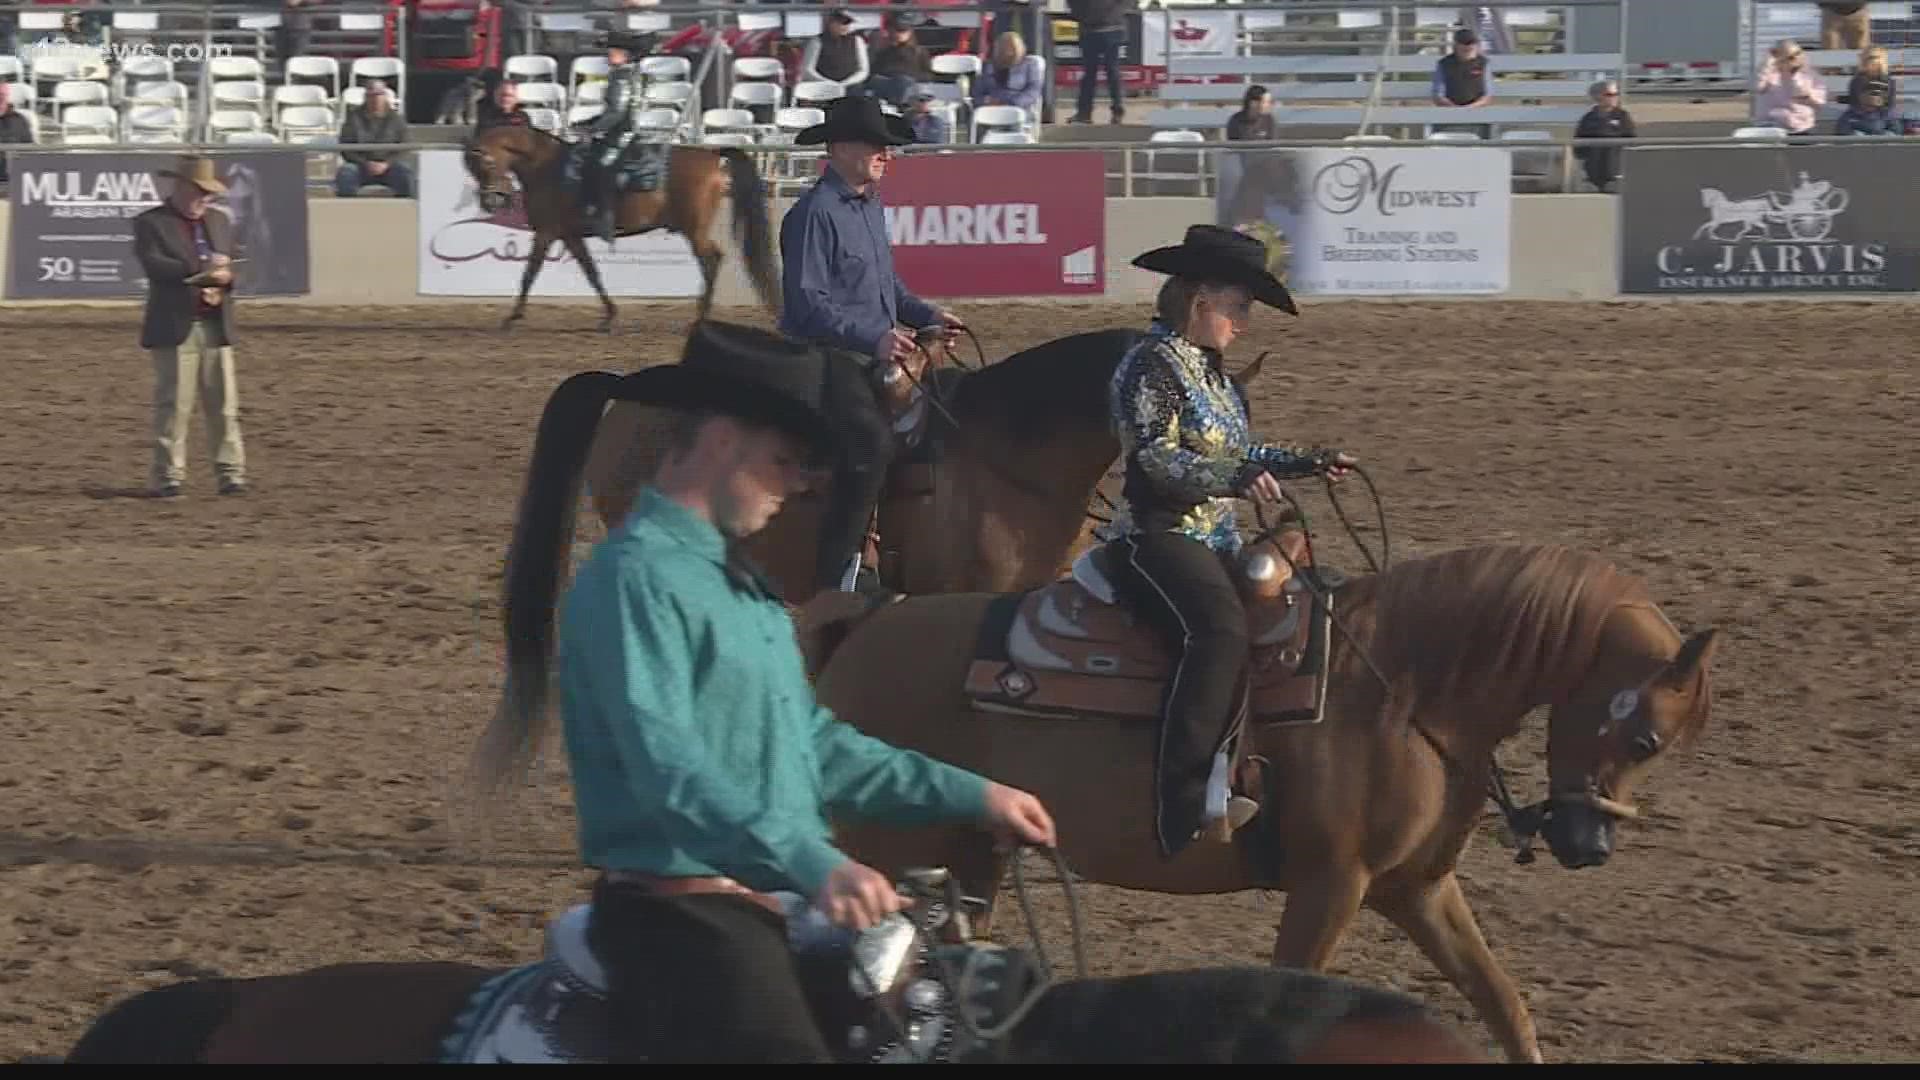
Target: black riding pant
x=860, y=472
x=1182, y=588
x=706, y=977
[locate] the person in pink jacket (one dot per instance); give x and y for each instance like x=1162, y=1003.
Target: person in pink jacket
x=1790, y=93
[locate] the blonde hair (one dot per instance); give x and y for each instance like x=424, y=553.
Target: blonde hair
x=1873, y=61
x=1785, y=49
x=1009, y=49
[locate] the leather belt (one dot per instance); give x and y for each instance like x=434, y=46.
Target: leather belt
x=689, y=886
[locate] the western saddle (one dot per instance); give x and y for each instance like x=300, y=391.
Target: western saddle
x=1072, y=649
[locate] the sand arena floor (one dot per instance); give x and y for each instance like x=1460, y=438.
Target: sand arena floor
x=228, y=728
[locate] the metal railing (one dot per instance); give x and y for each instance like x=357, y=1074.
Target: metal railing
x=1129, y=175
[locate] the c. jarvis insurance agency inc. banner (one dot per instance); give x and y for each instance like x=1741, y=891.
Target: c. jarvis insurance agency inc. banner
x=466, y=251
x=1378, y=221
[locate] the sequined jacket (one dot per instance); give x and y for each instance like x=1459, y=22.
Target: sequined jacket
x=625, y=87
x=1186, y=442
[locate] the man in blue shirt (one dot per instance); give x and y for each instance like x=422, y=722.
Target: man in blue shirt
x=704, y=770
x=839, y=289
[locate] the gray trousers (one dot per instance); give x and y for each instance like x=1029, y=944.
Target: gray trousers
x=196, y=372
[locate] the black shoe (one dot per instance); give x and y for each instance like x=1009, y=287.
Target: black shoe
x=169, y=490
x=233, y=487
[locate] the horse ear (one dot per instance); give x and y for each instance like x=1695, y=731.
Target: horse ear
x=1693, y=657
x=1249, y=373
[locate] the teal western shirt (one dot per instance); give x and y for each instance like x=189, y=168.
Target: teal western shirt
x=696, y=745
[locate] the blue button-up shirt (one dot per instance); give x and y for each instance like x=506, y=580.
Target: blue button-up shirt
x=838, y=285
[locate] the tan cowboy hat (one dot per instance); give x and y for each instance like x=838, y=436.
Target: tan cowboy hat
x=197, y=171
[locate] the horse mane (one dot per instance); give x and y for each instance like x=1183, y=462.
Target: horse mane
x=1031, y=395
x=1489, y=622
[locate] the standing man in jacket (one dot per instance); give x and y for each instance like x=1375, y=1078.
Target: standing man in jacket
x=188, y=327
x=839, y=289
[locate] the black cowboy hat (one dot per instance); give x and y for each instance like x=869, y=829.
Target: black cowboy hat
x=1213, y=253
x=743, y=371
x=857, y=119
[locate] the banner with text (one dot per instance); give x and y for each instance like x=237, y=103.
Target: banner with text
x=70, y=235
x=466, y=251
x=1377, y=221
x=999, y=224
x=1794, y=219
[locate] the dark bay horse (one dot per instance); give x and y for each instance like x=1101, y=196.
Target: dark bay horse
x=554, y=1009
x=1435, y=663
x=687, y=201
x=996, y=499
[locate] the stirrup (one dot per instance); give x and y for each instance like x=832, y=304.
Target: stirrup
x=1240, y=810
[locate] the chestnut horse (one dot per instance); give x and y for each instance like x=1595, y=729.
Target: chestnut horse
x=686, y=201
x=1433, y=664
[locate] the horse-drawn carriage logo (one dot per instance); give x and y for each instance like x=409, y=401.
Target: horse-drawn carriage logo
x=1804, y=215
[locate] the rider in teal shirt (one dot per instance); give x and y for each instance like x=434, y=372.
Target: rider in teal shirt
x=659, y=634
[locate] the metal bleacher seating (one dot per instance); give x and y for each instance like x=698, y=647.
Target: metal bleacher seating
x=1322, y=70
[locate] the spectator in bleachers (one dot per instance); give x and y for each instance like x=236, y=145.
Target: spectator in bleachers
x=1254, y=122
x=1606, y=120
x=1790, y=93
x=501, y=106
x=1103, y=35
x=1847, y=25
x=1870, y=97
x=1010, y=77
x=14, y=126
x=296, y=27
x=375, y=121
x=838, y=55
x=1462, y=79
x=899, y=62
x=930, y=125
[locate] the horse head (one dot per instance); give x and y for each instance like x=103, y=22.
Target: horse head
x=1607, y=733
x=495, y=155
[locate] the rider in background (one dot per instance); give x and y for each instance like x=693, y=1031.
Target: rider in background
x=613, y=128
x=839, y=289
x=704, y=769
x=1187, y=448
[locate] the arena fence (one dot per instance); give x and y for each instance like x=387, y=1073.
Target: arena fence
x=1822, y=215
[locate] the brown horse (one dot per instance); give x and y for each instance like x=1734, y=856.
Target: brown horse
x=1367, y=798
x=994, y=497
x=686, y=201
x=554, y=1010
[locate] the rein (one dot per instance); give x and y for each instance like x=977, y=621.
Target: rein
x=960, y=983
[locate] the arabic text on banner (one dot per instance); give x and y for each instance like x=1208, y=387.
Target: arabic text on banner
x=465, y=251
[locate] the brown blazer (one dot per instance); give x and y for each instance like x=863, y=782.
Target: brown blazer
x=160, y=243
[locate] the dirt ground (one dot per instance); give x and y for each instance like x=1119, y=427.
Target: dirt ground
x=230, y=728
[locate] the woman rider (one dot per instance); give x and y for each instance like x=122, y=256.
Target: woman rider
x=1188, y=452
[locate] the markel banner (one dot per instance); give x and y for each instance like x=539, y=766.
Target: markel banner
x=1415, y=220
x=1795, y=219
x=999, y=224
x=70, y=233
x=465, y=251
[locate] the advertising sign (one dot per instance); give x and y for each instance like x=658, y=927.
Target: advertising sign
x=1378, y=221
x=70, y=235
x=999, y=224
x=465, y=251
x=1795, y=219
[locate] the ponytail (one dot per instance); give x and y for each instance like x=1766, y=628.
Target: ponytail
x=542, y=540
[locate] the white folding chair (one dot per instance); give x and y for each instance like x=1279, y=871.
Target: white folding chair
x=592, y=93
x=585, y=69
x=71, y=92
x=222, y=123
x=1001, y=138
x=817, y=92
x=666, y=68
x=240, y=94
x=727, y=120
x=531, y=67
x=145, y=120
x=545, y=119
x=672, y=94
x=89, y=120
x=250, y=138
x=727, y=138
x=1763, y=133
x=320, y=71
x=224, y=68
x=168, y=92
x=387, y=69
x=543, y=95
x=759, y=68
x=998, y=118
x=306, y=120
x=137, y=69
x=294, y=95
x=584, y=111
x=1453, y=136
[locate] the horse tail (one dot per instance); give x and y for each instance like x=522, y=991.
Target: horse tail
x=753, y=231
x=825, y=622
x=168, y=1025
x=542, y=539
